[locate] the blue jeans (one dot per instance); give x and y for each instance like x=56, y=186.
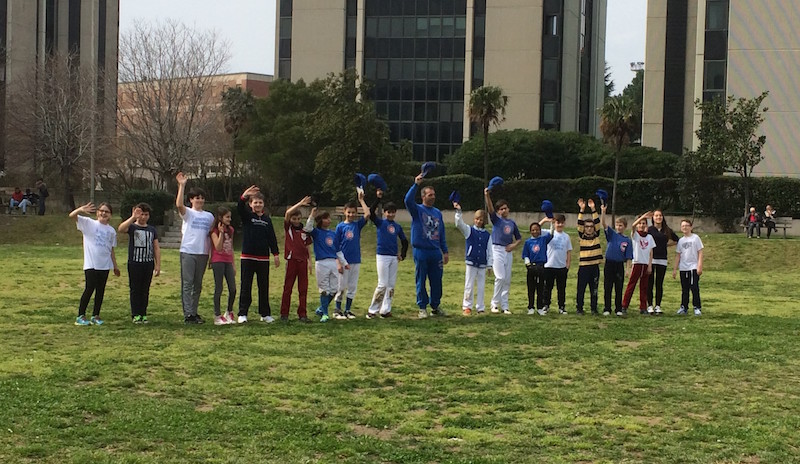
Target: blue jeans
x=428, y=265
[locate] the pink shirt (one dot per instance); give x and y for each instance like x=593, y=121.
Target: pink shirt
x=226, y=254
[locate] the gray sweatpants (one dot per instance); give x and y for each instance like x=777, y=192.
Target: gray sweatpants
x=192, y=269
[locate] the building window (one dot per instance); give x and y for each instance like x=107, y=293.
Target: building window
x=717, y=15
x=551, y=25
x=714, y=75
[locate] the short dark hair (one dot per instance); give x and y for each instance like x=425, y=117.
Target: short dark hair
x=144, y=207
x=534, y=224
x=320, y=216
x=500, y=203
x=390, y=207
x=351, y=204
x=560, y=218
x=196, y=192
x=256, y=196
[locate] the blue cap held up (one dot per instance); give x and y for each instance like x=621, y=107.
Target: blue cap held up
x=547, y=207
x=427, y=167
x=360, y=180
x=495, y=182
x=377, y=181
x=602, y=195
x=455, y=197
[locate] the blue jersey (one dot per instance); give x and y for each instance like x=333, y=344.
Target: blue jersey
x=620, y=247
x=427, y=224
x=325, y=245
x=504, y=231
x=348, y=236
x=535, y=249
x=388, y=233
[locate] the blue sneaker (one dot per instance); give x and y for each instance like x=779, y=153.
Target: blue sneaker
x=81, y=320
x=324, y=318
x=96, y=320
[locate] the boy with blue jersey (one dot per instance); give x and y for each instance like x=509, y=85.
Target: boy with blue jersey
x=327, y=258
x=619, y=254
x=505, y=238
x=430, y=246
x=348, y=236
x=534, y=254
x=477, y=256
x=387, y=257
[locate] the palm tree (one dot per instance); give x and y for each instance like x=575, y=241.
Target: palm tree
x=487, y=107
x=617, y=122
x=237, y=106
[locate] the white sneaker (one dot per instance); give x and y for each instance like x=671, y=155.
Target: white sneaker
x=230, y=318
x=650, y=310
x=268, y=319
x=220, y=320
x=495, y=309
x=242, y=319
x=506, y=311
x=697, y=312
x=531, y=311
x=658, y=310
x=606, y=313
x=562, y=311
x=423, y=313
x=542, y=312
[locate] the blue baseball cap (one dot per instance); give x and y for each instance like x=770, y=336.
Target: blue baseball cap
x=427, y=167
x=377, y=181
x=602, y=195
x=547, y=207
x=455, y=197
x=496, y=181
x=360, y=180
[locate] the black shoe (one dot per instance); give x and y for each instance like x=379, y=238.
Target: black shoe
x=200, y=320
x=644, y=312
x=386, y=316
x=595, y=313
x=284, y=318
x=305, y=320
x=580, y=312
x=191, y=320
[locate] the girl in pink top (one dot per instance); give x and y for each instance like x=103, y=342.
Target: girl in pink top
x=222, y=264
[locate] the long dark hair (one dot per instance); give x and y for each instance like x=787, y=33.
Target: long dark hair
x=221, y=212
x=665, y=229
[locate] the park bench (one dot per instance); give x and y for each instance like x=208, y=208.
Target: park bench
x=5, y=200
x=780, y=223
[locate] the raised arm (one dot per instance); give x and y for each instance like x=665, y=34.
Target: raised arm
x=181, y=178
x=304, y=202
x=460, y=225
x=581, y=207
x=373, y=210
x=367, y=212
x=603, y=208
x=126, y=224
x=88, y=208
x=410, y=199
x=487, y=196
x=310, y=222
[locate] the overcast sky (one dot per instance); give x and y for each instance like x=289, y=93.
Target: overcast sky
x=249, y=27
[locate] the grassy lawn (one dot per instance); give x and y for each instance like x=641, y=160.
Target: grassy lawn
x=490, y=389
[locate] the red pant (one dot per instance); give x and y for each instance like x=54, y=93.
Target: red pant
x=639, y=272
x=295, y=270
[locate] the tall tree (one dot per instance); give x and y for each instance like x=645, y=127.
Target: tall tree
x=608, y=81
x=487, y=107
x=57, y=112
x=166, y=105
x=635, y=92
x=728, y=140
x=617, y=122
x=237, y=106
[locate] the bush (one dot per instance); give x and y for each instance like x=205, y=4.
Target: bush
x=634, y=163
x=158, y=200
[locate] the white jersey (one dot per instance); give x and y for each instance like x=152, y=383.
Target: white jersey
x=688, y=250
x=642, y=247
x=557, y=251
x=195, y=229
x=98, y=242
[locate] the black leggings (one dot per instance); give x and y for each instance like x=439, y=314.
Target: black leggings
x=657, y=276
x=140, y=275
x=95, y=283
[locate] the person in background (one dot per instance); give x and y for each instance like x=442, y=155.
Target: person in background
x=43, y=194
x=753, y=222
x=769, y=219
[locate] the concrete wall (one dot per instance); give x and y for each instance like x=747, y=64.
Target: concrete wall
x=318, y=36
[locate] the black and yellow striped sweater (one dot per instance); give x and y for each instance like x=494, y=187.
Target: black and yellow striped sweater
x=591, y=253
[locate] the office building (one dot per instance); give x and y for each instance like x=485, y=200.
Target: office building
x=701, y=49
x=424, y=57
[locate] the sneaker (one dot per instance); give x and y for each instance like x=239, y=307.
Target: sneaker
x=230, y=317
x=371, y=316
x=304, y=320
x=137, y=319
x=220, y=320
x=386, y=316
x=657, y=310
x=81, y=320
x=339, y=315
x=268, y=319
x=284, y=318
x=579, y=312
x=144, y=319
x=481, y=311
x=423, y=313
x=606, y=313
x=644, y=312
x=650, y=310
x=622, y=312
x=242, y=319
x=438, y=312
x=595, y=313
x=682, y=311
x=200, y=320
x=495, y=309
x=542, y=312
x=562, y=311
x=324, y=318
x=531, y=311
x=697, y=311
x=466, y=311
x=97, y=321
x=191, y=320
x=349, y=315
x=506, y=311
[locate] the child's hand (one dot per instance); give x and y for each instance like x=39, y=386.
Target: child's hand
x=252, y=190
x=699, y=271
x=590, y=202
x=456, y=205
x=116, y=272
x=181, y=178
x=137, y=213
x=379, y=193
x=306, y=201
x=581, y=204
x=603, y=208
x=221, y=228
x=674, y=272
x=339, y=268
x=649, y=269
x=277, y=262
x=157, y=271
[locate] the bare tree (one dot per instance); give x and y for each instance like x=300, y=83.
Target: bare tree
x=55, y=117
x=166, y=104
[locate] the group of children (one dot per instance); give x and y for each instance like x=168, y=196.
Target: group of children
x=208, y=242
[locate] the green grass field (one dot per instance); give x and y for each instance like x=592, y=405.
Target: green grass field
x=489, y=389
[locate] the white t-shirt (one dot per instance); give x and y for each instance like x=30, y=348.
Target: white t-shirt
x=98, y=241
x=557, y=250
x=642, y=247
x=195, y=229
x=688, y=250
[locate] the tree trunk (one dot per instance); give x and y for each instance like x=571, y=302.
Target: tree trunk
x=231, y=173
x=746, y=185
x=614, y=189
x=68, y=199
x=486, y=156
